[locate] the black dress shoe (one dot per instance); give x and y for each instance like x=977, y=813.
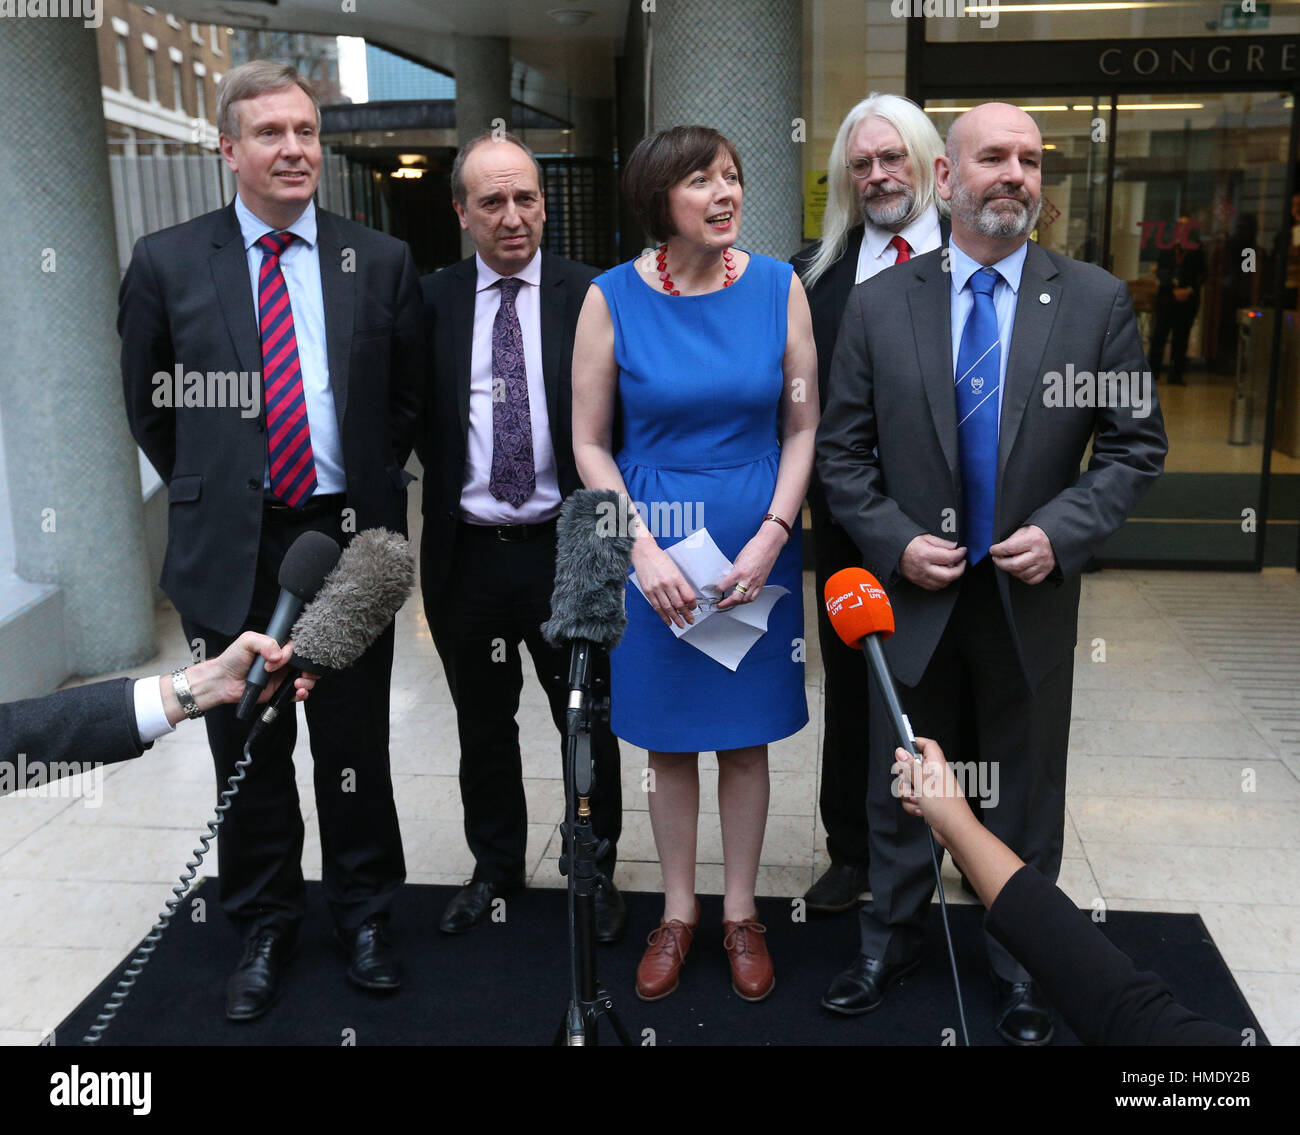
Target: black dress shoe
x=255, y=984
x=838, y=889
x=861, y=987
x=372, y=960
x=471, y=905
x=1023, y=1017
x=611, y=914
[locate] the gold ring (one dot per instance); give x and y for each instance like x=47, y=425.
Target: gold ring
x=742, y=589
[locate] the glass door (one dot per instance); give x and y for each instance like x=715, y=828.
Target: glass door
x=1200, y=230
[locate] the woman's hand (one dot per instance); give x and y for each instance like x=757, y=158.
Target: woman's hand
x=928, y=789
x=664, y=586
x=752, y=566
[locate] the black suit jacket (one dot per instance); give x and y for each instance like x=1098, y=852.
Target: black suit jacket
x=187, y=301
x=826, y=301
x=85, y=724
x=443, y=437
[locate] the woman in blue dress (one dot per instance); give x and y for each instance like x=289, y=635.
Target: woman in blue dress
x=700, y=358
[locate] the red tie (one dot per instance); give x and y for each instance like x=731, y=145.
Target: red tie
x=292, y=465
x=904, y=250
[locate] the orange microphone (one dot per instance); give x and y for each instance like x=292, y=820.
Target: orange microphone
x=862, y=616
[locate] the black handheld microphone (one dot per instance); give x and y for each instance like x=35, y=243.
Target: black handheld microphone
x=352, y=608
x=302, y=571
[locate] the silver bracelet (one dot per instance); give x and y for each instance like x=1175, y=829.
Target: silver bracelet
x=184, y=695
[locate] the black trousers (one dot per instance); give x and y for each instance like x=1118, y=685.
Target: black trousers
x=973, y=700
x=1176, y=319
x=260, y=841
x=845, y=739
x=498, y=595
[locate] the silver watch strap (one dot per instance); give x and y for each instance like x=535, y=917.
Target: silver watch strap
x=184, y=695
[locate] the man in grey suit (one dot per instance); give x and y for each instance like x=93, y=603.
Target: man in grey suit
x=964, y=396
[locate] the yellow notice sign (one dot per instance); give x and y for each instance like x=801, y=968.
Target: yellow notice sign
x=814, y=203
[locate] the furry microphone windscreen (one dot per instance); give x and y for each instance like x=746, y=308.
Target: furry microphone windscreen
x=593, y=553
x=357, y=601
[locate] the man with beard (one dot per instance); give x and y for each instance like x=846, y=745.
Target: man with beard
x=939, y=426
x=880, y=211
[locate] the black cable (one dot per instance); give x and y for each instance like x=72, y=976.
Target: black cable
x=147, y=947
x=947, y=933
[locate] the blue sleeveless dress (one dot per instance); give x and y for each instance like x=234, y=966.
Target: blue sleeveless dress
x=699, y=393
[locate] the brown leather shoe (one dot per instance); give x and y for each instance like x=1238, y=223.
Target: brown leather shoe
x=751, y=965
x=661, y=964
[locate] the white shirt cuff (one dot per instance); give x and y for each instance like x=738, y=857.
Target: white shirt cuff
x=150, y=717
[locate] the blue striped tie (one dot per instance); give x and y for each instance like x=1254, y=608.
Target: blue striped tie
x=978, y=377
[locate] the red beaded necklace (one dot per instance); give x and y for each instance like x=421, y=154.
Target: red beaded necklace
x=661, y=262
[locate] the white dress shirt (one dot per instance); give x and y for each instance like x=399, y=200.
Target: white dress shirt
x=301, y=267
x=877, y=254
x=477, y=504
x=150, y=716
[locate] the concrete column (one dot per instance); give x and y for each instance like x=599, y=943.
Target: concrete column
x=74, y=480
x=482, y=92
x=742, y=77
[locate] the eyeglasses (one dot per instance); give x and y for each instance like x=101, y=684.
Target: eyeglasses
x=891, y=161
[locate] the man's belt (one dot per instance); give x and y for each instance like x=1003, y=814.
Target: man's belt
x=513, y=533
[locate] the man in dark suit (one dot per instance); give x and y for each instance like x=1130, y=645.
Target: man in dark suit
x=948, y=417
x=1180, y=271
x=317, y=322
x=498, y=457
x=71, y=731
x=881, y=210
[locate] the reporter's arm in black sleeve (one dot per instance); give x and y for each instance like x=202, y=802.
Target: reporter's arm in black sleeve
x=1095, y=986
x=82, y=727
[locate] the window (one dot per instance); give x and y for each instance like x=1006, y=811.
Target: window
x=178, y=97
x=216, y=43
x=151, y=74
x=123, y=68
x=201, y=105
x=195, y=34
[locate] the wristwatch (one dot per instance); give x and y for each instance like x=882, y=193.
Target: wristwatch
x=184, y=695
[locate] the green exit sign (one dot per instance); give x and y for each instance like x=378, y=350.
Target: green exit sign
x=1245, y=17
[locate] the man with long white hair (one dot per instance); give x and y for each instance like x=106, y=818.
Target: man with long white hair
x=881, y=209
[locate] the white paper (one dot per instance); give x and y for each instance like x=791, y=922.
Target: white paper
x=725, y=636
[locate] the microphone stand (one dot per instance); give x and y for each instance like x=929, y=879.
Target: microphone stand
x=589, y=1000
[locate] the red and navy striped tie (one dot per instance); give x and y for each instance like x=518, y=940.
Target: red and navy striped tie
x=288, y=434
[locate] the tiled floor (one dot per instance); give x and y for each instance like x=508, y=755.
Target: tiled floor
x=1180, y=799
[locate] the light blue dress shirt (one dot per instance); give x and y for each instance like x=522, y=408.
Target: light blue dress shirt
x=301, y=267
x=1006, y=289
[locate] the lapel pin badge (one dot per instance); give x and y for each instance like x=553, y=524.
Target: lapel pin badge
x=1043, y=297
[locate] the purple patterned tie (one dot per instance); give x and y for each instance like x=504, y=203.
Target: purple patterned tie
x=513, y=475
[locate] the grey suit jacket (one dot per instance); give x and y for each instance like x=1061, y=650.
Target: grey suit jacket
x=887, y=446
x=86, y=724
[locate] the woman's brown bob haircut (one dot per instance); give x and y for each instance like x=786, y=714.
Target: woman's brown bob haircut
x=662, y=161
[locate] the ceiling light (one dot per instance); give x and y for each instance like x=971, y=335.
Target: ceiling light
x=569, y=17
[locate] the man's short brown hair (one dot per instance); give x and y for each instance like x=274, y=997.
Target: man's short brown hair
x=251, y=80
x=660, y=162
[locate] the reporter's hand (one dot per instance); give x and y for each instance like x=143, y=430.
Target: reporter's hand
x=221, y=680
x=662, y=583
x=752, y=567
x=928, y=789
x=1026, y=554
x=932, y=563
